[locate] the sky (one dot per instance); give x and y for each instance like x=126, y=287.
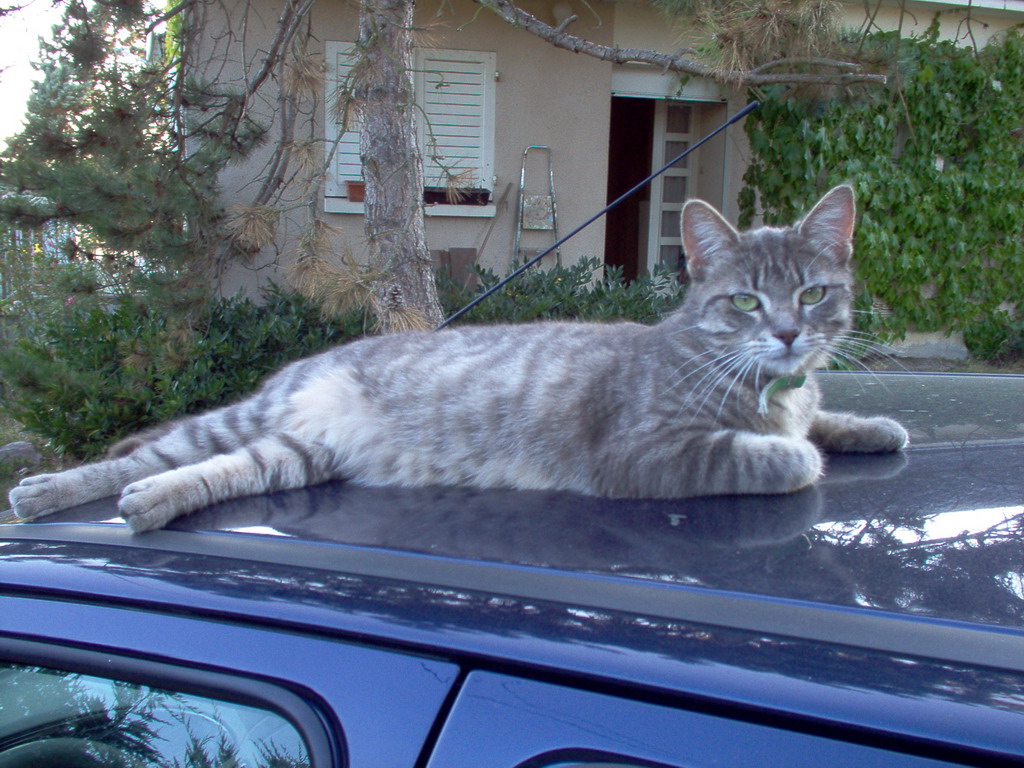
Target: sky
x=19, y=46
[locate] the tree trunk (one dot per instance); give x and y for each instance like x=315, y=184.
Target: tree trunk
x=404, y=292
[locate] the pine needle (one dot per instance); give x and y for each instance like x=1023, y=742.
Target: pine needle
x=305, y=75
x=431, y=34
x=308, y=157
x=253, y=227
x=746, y=34
x=455, y=185
x=337, y=283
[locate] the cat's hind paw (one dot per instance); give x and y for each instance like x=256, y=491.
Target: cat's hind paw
x=147, y=505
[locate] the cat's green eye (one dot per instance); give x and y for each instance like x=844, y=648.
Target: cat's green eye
x=745, y=302
x=813, y=295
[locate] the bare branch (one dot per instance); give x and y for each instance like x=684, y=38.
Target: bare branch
x=169, y=14
x=677, y=62
x=287, y=25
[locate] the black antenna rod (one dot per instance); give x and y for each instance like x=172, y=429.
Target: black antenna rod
x=735, y=118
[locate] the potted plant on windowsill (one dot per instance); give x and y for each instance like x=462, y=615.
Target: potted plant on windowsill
x=356, y=190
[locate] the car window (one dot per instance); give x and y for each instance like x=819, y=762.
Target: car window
x=521, y=723
x=50, y=717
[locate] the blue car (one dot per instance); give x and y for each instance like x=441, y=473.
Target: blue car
x=875, y=619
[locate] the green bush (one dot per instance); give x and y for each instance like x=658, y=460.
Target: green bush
x=938, y=165
x=566, y=293
x=93, y=375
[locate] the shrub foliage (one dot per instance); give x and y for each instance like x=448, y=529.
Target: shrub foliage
x=95, y=374
x=578, y=292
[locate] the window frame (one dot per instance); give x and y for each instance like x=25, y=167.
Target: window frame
x=344, y=144
x=324, y=741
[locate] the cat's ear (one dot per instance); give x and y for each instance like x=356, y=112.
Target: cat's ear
x=829, y=225
x=705, y=234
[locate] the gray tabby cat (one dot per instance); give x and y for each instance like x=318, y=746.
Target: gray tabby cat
x=715, y=399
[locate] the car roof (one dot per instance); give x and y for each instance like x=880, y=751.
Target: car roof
x=933, y=532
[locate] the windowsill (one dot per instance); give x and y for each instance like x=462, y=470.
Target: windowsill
x=343, y=205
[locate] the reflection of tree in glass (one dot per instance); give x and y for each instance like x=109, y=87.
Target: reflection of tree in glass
x=197, y=754
x=49, y=715
x=116, y=733
x=273, y=756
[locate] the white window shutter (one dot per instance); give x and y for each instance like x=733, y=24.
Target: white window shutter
x=455, y=93
x=455, y=120
x=345, y=164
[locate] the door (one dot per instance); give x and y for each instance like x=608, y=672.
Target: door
x=645, y=134
x=673, y=134
x=506, y=722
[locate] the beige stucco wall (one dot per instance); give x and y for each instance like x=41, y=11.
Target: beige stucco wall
x=973, y=25
x=544, y=96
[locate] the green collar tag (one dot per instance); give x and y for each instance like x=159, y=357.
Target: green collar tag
x=773, y=386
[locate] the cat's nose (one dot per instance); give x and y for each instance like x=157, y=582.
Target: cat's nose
x=787, y=337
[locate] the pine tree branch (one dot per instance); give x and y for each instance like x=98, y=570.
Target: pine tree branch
x=809, y=61
x=679, y=61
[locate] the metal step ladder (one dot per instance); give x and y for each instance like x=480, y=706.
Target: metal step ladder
x=537, y=211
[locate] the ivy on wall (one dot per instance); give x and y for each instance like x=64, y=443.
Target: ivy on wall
x=937, y=162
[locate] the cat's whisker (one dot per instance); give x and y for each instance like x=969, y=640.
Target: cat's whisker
x=848, y=353
x=676, y=382
x=748, y=364
x=846, y=359
x=861, y=344
x=706, y=385
x=853, y=363
x=737, y=361
x=822, y=251
x=722, y=365
x=695, y=370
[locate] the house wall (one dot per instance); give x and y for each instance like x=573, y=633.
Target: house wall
x=974, y=25
x=544, y=96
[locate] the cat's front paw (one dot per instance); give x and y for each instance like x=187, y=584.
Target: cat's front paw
x=883, y=435
x=773, y=464
x=37, y=496
x=845, y=433
x=790, y=465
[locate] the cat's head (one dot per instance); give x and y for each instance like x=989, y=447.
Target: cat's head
x=777, y=297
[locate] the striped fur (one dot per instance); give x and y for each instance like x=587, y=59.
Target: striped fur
x=617, y=410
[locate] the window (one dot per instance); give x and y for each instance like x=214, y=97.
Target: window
x=519, y=723
x=55, y=718
x=455, y=93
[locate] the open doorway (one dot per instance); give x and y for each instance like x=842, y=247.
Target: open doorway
x=629, y=162
x=643, y=232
